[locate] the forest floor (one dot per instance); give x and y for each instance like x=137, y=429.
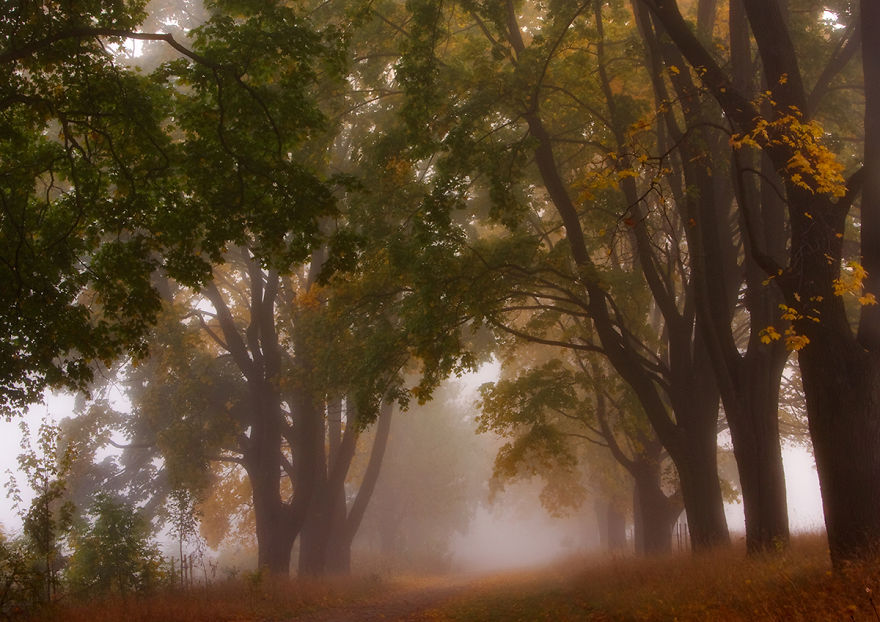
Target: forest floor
x=722, y=585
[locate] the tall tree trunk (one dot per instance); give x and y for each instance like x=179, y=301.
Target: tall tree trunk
x=325, y=546
x=338, y=555
x=316, y=530
x=611, y=523
x=753, y=420
x=275, y=536
x=842, y=386
x=274, y=529
x=842, y=376
x=694, y=451
x=655, y=513
x=368, y=485
x=869, y=325
x=694, y=445
x=313, y=542
x=693, y=390
x=749, y=382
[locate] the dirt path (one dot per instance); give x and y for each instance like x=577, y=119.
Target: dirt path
x=399, y=604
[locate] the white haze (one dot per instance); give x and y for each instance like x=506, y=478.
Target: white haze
x=514, y=532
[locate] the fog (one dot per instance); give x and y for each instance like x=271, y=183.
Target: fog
x=432, y=510
x=503, y=536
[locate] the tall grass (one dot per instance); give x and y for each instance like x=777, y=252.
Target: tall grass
x=726, y=585
x=723, y=585
x=252, y=598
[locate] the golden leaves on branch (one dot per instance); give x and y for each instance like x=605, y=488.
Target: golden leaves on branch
x=794, y=340
x=850, y=282
x=811, y=166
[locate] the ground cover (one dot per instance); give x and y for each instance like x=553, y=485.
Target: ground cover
x=723, y=585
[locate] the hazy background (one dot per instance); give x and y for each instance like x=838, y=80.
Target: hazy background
x=513, y=530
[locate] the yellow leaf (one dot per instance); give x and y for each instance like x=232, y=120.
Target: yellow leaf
x=769, y=334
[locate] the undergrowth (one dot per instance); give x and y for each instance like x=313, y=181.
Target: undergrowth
x=724, y=585
x=252, y=598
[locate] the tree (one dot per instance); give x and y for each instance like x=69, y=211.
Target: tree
x=562, y=412
x=839, y=366
x=110, y=176
x=114, y=553
x=20, y=586
x=48, y=520
x=70, y=116
x=513, y=129
x=183, y=517
x=724, y=273
x=242, y=373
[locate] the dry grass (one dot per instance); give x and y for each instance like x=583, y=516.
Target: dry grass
x=243, y=600
x=723, y=586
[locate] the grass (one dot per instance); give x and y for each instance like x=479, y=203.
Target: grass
x=723, y=585
x=251, y=599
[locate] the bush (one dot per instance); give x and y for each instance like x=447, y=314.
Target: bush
x=115, y=552
x=20, y=584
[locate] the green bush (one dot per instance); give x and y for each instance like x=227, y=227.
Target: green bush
x=114, y=553
x=20, y=583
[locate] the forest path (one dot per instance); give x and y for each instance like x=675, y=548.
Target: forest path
x=405, y=602
x=426, y=598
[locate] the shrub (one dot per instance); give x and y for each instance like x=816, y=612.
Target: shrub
x=115, y=552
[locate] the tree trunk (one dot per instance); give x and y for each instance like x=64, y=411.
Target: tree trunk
x=338, y=562
x=611, y=523
x=655, y=513
x=869, y=325
x=753, y=420
x=748, y=384
x=842, y=386
x=325, y=545
x=312, y=544
x=275, y=534
x=694, y=446
x=696, y=457
x=274, y=530
x=316, y=530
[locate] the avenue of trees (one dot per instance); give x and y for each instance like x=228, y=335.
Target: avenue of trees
x=273, y=224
